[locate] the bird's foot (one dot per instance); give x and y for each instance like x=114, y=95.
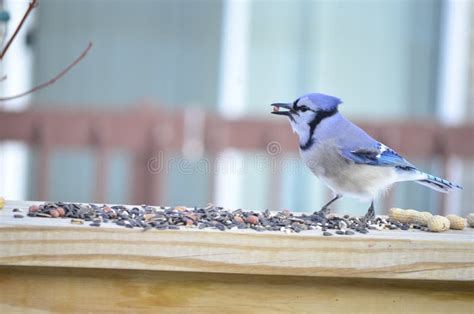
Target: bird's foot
x=324, y=211
x=370, y=215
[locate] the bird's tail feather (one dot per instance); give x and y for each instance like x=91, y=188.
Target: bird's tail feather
x=438, y=184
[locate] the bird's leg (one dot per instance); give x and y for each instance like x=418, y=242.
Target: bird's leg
x=370, y=213
x=325, y=209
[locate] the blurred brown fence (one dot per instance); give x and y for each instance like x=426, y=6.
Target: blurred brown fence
x=146, y=132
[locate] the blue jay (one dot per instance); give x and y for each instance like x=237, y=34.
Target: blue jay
x=345, y=157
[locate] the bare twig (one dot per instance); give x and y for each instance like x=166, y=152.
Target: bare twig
x=54, y=79
x=33, y=4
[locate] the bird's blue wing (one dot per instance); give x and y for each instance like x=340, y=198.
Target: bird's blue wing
x=379, y=155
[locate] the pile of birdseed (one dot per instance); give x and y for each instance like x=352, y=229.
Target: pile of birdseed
x=162, y=218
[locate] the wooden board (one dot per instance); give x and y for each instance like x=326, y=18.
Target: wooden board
x=44, y=290
x=380, y=254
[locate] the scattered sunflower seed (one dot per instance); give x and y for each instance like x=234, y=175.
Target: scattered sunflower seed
x=148, y=217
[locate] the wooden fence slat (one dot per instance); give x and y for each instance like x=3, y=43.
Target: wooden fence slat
x=44, y=150
x=146, y=132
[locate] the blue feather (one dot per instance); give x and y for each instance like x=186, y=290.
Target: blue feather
x=380, y=155
x=324, y=102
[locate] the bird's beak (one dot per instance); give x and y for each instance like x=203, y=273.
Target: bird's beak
x=289, y=112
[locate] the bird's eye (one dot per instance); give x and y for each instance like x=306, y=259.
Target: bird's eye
x=303, y=108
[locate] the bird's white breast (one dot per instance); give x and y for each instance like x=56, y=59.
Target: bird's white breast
x=345, y=177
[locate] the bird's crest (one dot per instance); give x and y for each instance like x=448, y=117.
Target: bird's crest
x=323, y=102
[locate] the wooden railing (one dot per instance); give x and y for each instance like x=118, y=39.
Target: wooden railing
x=148, y=132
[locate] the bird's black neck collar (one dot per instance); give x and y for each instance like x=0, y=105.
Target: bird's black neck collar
x=320, y=116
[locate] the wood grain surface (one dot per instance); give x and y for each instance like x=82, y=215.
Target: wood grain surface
x=59, y=290
x=380, y=254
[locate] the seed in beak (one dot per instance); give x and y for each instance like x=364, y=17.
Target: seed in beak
x=276, y=109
